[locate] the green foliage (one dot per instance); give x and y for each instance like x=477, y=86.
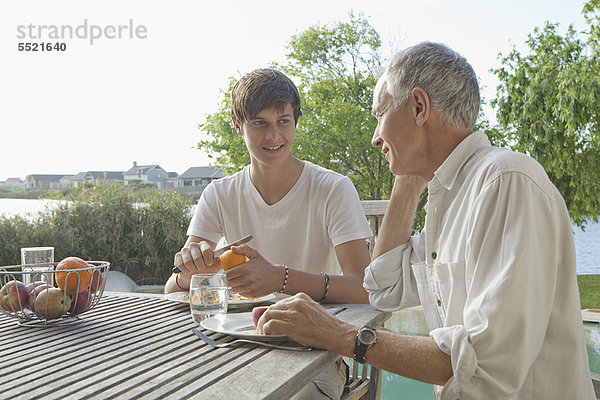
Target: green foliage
x=223, y=143
x=549, y=107
x=335, y=69
x=13, y=193
x=106, y=223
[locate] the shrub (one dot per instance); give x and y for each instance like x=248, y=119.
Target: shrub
x=106, y=223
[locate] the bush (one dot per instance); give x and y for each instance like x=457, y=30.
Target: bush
x=106, y=223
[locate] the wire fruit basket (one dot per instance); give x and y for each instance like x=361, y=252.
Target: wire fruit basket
x=40, y=295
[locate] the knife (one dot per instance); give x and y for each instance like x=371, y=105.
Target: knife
x=218, y=252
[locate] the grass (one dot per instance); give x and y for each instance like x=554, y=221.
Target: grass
x=589, y=290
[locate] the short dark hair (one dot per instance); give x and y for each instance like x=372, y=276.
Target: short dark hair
x=261, y=89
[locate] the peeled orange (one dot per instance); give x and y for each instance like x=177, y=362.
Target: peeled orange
x=73, y=282
x=229, y=259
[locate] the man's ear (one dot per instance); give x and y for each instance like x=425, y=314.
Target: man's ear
x=237, y=127
x=422, y=105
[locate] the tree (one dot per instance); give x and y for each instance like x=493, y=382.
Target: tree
x=335, y=70
x=223, y=143
x=549, y=107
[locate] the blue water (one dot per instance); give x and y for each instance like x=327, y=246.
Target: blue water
x=587, y=248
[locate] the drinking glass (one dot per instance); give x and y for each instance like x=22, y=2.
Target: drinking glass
x=38, y=255
x=208, y=296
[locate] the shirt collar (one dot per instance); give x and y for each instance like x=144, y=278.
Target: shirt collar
x=447, y=172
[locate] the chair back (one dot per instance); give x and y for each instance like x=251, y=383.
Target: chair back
x=374, y=211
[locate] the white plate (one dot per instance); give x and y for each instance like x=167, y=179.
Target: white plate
x=234, y=299
x=238, y=325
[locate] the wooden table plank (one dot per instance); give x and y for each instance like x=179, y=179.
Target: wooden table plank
x=143, y=348
x=89, y=346
x=294, y=370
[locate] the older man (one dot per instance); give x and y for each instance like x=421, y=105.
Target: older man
x=493, y=268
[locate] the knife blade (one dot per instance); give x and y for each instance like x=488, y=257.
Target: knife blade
x=218, y=252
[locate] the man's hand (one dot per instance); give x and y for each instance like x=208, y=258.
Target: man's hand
x=256, y=277
x=196, y=258
x=305, y=321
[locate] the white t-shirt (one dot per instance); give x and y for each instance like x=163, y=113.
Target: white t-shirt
x=321, y=211
x=494, y=269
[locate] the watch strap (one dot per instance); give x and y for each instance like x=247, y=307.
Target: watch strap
x=360, y=349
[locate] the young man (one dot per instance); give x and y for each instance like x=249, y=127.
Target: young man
x=307, y=222
x=305, y=219
x=493, y=268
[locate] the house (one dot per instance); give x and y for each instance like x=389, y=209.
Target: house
x=13, y=182
x=96, y=177
x=65, y=181
x=41, y=181
x=152, y=174
x=171, y=178
x=198, y=178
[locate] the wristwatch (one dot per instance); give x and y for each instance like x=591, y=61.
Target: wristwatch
x=365, y=338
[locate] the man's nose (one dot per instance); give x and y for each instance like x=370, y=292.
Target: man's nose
x=377, y=141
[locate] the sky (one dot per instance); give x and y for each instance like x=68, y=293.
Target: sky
x=137, y=77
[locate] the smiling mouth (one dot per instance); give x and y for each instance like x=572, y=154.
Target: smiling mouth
x=273, y=148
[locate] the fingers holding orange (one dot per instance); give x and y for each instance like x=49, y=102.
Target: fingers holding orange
x=73, y=275
x=229, y=259
x=246, y=250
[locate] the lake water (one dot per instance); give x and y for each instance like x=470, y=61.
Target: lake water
x=587, y=244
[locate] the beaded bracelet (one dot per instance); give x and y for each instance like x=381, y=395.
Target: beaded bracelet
x=177, y=283
x=326, y=287
x=284, y=279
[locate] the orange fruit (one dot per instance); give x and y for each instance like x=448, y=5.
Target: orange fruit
x=229, y=259
x=73, y=282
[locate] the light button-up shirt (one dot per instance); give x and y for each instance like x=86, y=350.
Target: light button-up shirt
x=494, y=270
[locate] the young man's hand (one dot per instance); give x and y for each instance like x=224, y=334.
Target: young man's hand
x=256, y=277
x=196, y=258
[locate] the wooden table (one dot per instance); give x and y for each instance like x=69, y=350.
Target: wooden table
x=142, y=348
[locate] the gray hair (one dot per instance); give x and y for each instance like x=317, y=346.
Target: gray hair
x=445, y=75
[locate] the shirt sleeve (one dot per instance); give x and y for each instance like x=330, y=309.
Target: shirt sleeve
x=345, y=218
x=511, y=270
x=206, y=222
x=389, y=280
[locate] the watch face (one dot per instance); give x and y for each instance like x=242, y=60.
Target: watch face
x=367, y=336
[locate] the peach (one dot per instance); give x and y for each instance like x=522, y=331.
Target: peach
x=80, y=302
x=14, y=296
x=96, y=283
x=34, y=289
x=52, y=303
